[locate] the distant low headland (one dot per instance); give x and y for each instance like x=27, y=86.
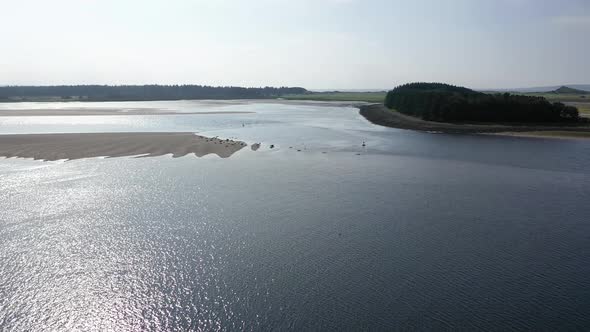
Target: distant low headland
x=139, y=92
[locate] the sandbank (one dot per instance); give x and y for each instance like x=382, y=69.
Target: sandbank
x=88, y=145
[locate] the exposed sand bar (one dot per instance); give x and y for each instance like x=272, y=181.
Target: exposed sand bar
x=548, y=134
x=88, y=108
x=77, y=146
x=99, y=111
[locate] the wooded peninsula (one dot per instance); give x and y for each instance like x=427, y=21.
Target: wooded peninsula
x=447, y=103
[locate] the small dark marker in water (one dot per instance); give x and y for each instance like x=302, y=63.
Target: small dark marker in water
x=272, y=146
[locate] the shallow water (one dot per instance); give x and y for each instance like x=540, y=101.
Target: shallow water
x=415, y=231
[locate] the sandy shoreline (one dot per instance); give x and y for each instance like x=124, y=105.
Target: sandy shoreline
x=546, y=134
x=380, y=115
x=89, y=145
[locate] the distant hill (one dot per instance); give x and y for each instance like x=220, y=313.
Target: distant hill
x=568, y=90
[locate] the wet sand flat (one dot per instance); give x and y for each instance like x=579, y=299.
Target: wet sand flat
x=16, y=109
x=88, y=145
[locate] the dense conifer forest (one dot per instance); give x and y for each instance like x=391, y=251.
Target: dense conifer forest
x=443, y=102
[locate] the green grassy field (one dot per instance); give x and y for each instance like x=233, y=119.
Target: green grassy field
x=372, y=97
x=583, y=108
x=562, y=97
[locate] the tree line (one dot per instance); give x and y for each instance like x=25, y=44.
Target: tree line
x=444, y=102
x=144, y=92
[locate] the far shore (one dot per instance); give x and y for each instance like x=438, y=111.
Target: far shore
x=380, y=115
x=101, y=111
x=89, y=145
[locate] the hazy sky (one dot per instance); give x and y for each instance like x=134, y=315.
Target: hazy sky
x=310, y=43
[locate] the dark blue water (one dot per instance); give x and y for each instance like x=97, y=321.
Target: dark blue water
x=427, y=232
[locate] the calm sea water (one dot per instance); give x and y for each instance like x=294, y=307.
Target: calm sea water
x=414, y=231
